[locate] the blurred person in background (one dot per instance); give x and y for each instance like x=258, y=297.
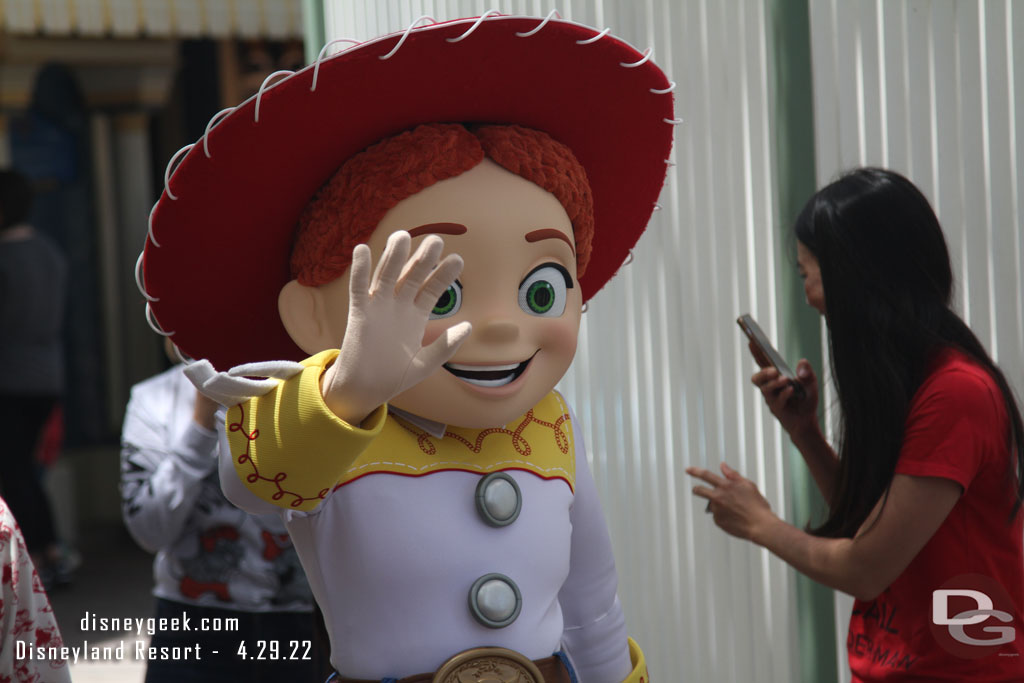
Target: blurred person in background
x=924, y=489
x=30, y=641
x=213, y=560
x=33, y=280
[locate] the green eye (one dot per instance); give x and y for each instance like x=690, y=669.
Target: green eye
x=544, y=291
x=449, y=303
x=540, y=297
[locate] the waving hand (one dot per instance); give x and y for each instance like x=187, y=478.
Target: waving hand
x=382, y=354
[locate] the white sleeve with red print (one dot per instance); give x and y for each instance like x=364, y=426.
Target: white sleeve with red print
x=25, y=613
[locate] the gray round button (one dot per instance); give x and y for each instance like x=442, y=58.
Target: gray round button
x=495, y=600
x=498, y=499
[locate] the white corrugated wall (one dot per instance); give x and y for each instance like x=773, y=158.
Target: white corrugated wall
x=935, y=89
x=661, y=379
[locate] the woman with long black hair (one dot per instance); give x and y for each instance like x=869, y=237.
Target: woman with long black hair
x=925, y=526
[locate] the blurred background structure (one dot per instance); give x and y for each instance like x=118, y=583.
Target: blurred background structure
x=777, y=96
x=95, y=97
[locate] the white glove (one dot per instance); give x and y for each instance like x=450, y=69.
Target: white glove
x=382, y=353
x=234, y=386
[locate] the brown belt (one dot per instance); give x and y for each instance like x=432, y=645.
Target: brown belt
x=484, y=665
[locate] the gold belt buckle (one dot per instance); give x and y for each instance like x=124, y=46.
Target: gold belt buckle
x=488, y=665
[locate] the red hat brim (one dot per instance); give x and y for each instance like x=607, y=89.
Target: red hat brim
x=225, y=222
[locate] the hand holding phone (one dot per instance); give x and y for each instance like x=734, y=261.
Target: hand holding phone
x=760, y=346
x=792, y=400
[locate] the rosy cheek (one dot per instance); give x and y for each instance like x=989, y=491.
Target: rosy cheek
x=559, y=337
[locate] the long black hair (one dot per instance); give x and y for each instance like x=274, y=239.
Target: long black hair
x=888, y=287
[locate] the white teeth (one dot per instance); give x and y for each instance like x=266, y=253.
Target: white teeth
x=489, y=382
x=483, y=368
x=484, y=375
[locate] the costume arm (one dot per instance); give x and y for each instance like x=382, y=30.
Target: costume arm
x=230, y=483
x=595, y=628
x=160, y=471
x=288, y=448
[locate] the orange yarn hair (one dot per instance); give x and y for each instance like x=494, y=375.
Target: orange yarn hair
x=348, y=208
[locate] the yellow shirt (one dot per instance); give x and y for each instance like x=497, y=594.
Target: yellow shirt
x=291, y=450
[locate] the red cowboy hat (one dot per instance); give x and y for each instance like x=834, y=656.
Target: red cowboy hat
x=221, y=233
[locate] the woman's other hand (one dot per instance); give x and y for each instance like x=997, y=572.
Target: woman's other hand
x=797, y=414
x=738, y=507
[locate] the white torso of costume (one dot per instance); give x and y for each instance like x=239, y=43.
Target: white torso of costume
x=392, y=556
x=411, y=549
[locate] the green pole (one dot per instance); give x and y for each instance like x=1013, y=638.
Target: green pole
x=313, y=28
x=799, y=329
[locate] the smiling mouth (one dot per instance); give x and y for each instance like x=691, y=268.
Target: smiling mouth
x=488, y=375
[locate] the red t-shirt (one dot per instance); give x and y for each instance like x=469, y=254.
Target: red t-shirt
x=957, y=429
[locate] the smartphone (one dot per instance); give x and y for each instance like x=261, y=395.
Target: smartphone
x=760, y=340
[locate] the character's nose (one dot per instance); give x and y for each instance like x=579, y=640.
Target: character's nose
x=499, y=331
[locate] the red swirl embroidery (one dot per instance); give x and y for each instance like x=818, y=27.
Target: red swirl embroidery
x=519, y=442
x=255, y=475
x=422, y=438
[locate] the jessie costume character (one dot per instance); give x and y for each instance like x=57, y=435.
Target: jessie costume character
x=497, y=171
